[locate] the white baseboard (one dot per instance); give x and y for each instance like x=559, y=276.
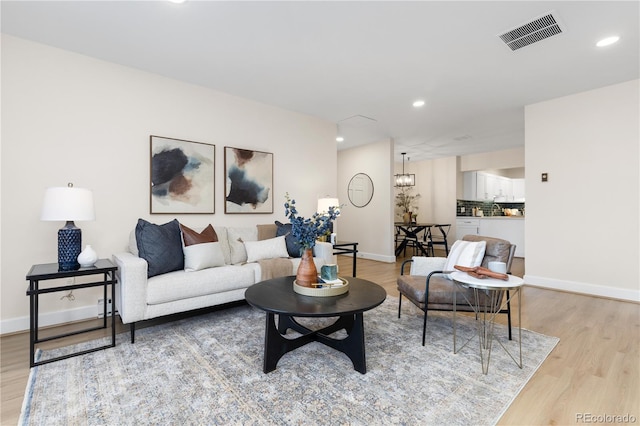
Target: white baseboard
x=377, y=257
x=584, y=288
x=371, y=256
x=14, y=325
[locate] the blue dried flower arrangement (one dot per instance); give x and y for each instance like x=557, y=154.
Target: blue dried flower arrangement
x=307, y=231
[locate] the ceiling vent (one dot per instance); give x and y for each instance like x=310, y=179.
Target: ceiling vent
x=532, y=32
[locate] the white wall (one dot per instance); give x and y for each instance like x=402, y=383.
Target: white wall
x=505, y=159
x=436, y=183
x=582, y=227
x=68, y=117
x=371, y=226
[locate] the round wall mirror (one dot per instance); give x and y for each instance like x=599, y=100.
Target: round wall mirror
x=360, y=190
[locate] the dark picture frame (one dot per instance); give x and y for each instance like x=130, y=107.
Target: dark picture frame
x=248, y=181
x=182, y=176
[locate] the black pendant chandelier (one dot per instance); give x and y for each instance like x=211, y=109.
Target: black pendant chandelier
x=405, y=179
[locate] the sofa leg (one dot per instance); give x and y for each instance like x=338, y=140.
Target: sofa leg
x=132, y=327
x=399, y=305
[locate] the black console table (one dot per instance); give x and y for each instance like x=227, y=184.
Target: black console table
x=347, y=247
x=49, y=271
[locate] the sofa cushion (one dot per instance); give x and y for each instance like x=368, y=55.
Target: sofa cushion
x=181, y=285
x=441, y=292
x=160, y=246
x=266, y=249
x=221, y=232
x=293, y=247
x=465, y=253
x=237, y=237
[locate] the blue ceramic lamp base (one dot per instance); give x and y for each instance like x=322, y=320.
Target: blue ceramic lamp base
x=69, y=247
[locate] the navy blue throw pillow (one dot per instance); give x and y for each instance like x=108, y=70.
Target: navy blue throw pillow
x=160, y=246
x=293, y=247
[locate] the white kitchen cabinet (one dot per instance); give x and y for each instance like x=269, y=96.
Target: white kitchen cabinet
x=518, y=190
x=483, y=186
x=466, y=226
x=486, y=185
x=496, y=188
x=510, y=229
x=503, y=189
x=469, y=185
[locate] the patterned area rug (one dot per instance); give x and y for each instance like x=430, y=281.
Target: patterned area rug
x=208, y=370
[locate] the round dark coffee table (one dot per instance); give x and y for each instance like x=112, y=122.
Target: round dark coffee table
x=276, y=296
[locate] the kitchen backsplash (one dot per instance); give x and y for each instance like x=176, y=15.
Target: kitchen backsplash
x=485, y=206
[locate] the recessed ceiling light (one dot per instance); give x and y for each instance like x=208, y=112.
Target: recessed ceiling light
x=607, y=41
x=418, y=103
x=177, y=1
x=339, y=139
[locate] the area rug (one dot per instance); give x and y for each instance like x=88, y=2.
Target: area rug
x=207, y=370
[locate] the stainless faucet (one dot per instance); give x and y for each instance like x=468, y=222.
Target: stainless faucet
x=495, y=205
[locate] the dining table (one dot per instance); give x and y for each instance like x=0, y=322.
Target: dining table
x=411, y=235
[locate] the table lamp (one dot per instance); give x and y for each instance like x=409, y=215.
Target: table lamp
x=68, y=204
x=325, y=203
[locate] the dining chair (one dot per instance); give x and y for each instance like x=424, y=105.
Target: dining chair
x=413, y=240
x=398, y=237
x=438, y=237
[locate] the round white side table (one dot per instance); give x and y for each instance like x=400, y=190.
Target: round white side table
x=486, y=313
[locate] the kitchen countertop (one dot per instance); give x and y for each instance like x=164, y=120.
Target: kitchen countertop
x=490, y=217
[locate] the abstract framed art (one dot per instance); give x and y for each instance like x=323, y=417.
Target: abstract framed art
x=182, y=176
x=248, y=181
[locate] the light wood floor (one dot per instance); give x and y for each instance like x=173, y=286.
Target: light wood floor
x=594, y=370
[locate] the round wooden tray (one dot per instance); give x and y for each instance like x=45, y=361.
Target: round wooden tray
x=322, y=292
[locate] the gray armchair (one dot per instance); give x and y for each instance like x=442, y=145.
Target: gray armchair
x=430, y=290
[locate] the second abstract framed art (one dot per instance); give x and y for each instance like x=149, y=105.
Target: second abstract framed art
x=248, y=181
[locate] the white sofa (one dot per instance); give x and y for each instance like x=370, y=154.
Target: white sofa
x=140, y=298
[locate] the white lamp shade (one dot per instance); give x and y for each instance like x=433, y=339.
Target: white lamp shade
x=68, y=204
x=325, y=203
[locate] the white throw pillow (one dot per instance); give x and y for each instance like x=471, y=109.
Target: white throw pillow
x=202, y=256
x=237, y=237
x=266, y=249
x=465, y=253
x=426, y=265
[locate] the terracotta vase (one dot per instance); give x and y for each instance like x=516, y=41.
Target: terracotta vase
x=307, y=273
